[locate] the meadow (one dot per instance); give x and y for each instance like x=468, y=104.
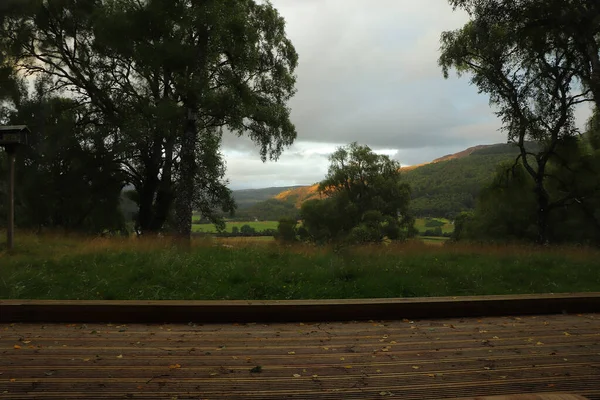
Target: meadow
x=420, y=224
x=257, y=225
x=69, y=267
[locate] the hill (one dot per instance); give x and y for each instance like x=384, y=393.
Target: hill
x=451, y=184
x=248, y=197
x=441, y=188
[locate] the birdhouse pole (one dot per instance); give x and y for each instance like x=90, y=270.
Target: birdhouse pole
x=10, y=138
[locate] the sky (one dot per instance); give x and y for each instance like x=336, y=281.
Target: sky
x=368, y=73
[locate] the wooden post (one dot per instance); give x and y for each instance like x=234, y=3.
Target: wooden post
x=10, y=233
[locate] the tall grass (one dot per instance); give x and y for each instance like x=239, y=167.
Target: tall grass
x=68, y=267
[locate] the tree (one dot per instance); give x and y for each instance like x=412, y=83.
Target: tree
x=247, y=230
x=531, y=77
x=187, y=70
x=286, y=230
x=366, y=199
x=506, y=208
x=542, y=26
x=68, y=177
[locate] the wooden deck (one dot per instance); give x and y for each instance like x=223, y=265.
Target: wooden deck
x=421, y=359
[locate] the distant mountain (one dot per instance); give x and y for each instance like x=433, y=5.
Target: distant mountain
x=451, y=184
x=441, y=188
x=248, y=197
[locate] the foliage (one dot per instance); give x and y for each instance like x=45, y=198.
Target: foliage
x=506, y=208
x=366, y=199
x=67, y=176
x=186, y=70
x=530, y=75
x=286, y=230
x=151, y=269
x=447, y=188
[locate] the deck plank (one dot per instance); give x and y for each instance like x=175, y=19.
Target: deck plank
x=465, y=358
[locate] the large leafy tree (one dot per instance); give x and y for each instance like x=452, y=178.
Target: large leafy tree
x=67, y=176
x=571, y=27
x=186, y=70
x=366, y=199
x=532, y=77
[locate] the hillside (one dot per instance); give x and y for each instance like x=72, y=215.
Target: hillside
x=247, y=197
x=441, y=188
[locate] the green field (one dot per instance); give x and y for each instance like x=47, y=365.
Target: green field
x=421, y=222
x=258, y=226
x=61, y=267
x=263, y=225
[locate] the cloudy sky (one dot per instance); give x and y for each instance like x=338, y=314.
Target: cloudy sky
x=368, y=73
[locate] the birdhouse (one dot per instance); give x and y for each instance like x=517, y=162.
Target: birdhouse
x=13, y=135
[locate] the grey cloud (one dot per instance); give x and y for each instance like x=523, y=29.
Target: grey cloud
x=368, y=73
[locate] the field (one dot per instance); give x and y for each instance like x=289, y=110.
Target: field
x=258, y=226
x=59, y=267
x=420, y=224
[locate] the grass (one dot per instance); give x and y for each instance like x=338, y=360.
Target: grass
x=258, y=226
x=58, y=267
x=262, y=225
x=446, y=228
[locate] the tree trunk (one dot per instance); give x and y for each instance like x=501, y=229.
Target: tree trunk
x=542, y=214
x=185, y=187
x=164, y=194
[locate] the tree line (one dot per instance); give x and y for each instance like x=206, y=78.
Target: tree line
x=149, y=112
x=140, y=93
x=537, y=62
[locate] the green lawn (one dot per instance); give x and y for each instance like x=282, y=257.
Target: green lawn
x=446, y=228
x=71, y=268
x=258, y=226
x=262, y=225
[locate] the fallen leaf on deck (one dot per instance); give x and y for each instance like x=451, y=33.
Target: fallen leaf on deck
x=495, y=337
x=17, y=347
x=539, y=343
x=415, y=367
x=342, y=358
x=26, y=341
x=296, y=375
x=120, y=356
x=567, y=333
x=393, y=342
x=174, y=366
x=378, y=370
x=291, y=353
x=86, y=359
x=325, y=348
x=12, y=379
x=431, y=375
x=315, y=376
x=348, y=366
x=213, y=374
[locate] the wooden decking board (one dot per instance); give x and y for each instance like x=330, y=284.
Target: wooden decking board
x=294, y=310
x=425, y=359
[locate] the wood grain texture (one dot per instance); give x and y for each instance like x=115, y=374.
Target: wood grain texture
x=460, y=358
x=294, y=310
